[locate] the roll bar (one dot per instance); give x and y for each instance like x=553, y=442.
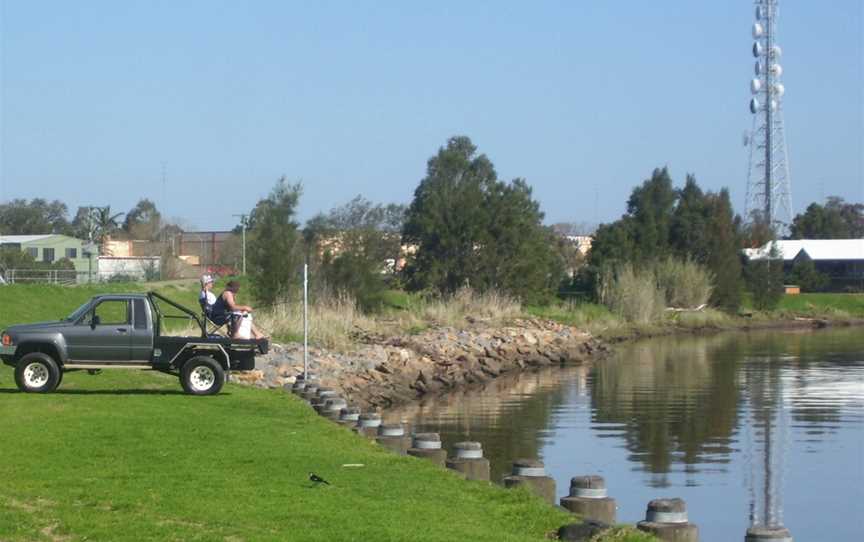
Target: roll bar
x=153, y=296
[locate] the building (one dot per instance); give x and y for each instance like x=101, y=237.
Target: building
x=51, y=248
x=581, y=242
x=842, y=260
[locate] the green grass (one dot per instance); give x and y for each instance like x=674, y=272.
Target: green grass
x=125, y=456
x=600, y=321
x=823, y=304
x=25, y=303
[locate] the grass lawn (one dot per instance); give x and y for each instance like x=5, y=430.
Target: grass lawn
x=824, y=304
x=126, y=456
x=24, y=303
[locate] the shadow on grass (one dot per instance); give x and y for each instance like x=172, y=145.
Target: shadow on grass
x=107, y=392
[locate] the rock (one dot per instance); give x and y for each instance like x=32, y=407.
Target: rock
x=581, y=532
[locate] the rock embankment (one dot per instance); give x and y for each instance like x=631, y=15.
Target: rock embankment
x=385, y=371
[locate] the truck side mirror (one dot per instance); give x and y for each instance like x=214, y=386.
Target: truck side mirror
x=95, y=321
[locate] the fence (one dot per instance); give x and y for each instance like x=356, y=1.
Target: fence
x=43, y=276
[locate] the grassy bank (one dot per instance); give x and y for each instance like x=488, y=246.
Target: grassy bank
x=601, y=322
x=335, y=321
x=21, y=303
x=125, y=456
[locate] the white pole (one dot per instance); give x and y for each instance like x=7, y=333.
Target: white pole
x=244, y=246
x=305, y=322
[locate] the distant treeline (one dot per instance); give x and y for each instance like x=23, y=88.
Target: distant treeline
x=466, y=228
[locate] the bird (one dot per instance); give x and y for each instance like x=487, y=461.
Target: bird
x=317, y=479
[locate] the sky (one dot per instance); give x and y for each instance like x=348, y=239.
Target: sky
x=100, y=101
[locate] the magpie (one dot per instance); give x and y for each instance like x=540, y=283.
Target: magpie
x=317, y=479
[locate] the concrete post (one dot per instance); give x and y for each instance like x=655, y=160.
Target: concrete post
x=310, y=377
x=667, y=520
x=532, y=475
x=768, y=534
x=428, y=446
x=469, y=461
x=332, y=408
x=298, y=387
x=309, y=391
x=367, y=424
x=393, y=437
x=320, y=397
x=588, y=499
x=349, y=416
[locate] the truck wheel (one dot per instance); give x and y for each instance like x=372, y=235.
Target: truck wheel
x=202, y=375
x=37, y=373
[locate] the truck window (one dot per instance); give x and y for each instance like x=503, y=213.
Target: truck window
x=112, y=312
x=140, y=314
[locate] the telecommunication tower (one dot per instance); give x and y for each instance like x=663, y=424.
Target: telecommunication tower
x=768, y=183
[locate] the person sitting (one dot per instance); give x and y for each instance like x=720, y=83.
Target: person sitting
x=207, y=298
x=238, y=317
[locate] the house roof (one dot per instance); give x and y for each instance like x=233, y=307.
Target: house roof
x=20, y=239
x=816, y=249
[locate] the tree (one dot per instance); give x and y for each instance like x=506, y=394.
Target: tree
x=688, y=223
x=722, y=254
x=104, y=224
x=834, y=220
x=447, y=219
x=805, y=275
x=651, y=206
x=273, y=251
x=350, y=247
x=143, y=221
x=470, y=229
x=764, y=278
x=34, y=217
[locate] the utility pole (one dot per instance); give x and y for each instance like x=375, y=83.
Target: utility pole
x=243, y=224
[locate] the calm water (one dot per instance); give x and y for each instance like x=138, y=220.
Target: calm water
x=747, y=428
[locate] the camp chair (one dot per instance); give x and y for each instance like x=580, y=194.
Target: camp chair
x=212, y=327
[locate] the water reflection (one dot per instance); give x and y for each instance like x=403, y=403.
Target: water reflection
x=747, y=422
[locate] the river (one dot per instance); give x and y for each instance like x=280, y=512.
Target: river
x=748, y=428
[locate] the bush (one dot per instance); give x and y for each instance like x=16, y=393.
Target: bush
x=805, y=275
x=685, y=283
x=642, y=295
x=634, y=295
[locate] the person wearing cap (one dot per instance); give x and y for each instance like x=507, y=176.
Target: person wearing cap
x=207, y=298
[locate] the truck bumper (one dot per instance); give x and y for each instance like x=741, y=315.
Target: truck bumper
x=7, y=354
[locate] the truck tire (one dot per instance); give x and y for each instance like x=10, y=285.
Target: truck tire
x=37, y=373
x=202, y=375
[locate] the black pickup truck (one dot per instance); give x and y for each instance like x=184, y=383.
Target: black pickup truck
x=124, y=331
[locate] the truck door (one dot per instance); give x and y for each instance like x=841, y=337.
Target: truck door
x=142, y=331
x=103, y=334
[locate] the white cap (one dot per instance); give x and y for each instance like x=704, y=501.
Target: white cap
x=206, y=279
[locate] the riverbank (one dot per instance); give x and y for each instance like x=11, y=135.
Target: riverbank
x=132, y=458
x=386, y=371
x=380, y=371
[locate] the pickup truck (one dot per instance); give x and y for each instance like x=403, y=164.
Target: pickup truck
x=124, y=331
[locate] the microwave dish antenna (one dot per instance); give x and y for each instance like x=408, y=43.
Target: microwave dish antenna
x=768, y=179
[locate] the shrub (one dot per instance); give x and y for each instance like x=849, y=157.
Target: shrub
x=641, y=295
x=685, y=283
x=635, y=295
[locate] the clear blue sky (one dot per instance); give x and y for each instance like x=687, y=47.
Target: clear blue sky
x=583, y=99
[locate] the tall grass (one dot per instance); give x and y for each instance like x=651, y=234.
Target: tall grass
x=685, y=283
x=635, y=295
x=335, y=318
x=641, y=295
